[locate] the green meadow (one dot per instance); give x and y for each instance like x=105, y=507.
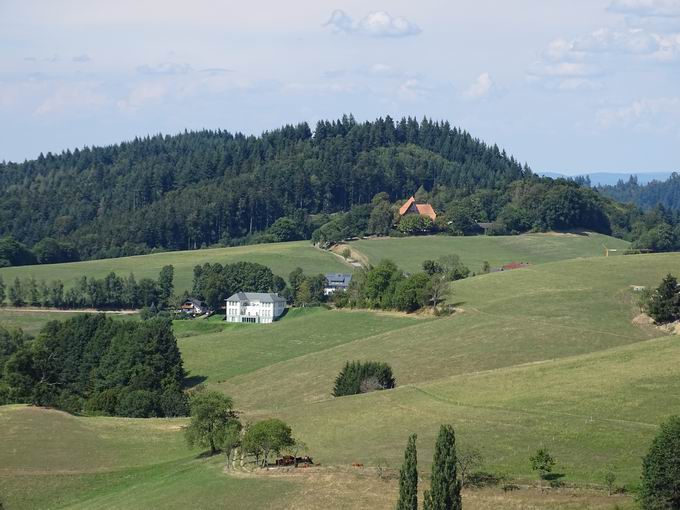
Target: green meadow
x=547, y=356
x=282, y=258
x=409, y=252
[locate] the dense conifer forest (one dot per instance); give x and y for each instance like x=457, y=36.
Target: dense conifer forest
x=209, y=188
x=201, y=188
x=646, y=196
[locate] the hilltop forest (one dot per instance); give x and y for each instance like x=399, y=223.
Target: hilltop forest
x=208, y=188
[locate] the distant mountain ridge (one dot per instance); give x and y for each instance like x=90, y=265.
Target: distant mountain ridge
x=611, y=179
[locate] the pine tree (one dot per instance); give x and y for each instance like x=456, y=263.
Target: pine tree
x=2, y=292
x=408, y=477
x=444, y=493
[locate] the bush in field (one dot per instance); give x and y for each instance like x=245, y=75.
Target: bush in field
x=664, y=303
x=661, y=469
x=363, y=377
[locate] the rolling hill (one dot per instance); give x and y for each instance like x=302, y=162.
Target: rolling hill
x=410, y=252
x=519, y=366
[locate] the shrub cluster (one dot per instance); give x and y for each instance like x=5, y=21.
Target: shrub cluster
x=362, y=377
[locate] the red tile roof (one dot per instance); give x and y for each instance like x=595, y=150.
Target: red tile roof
x=423, y=209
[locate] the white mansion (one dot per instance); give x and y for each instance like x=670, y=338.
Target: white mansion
x=256, y=307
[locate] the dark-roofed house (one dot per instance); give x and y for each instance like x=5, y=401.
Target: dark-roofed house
x=255, y=307
x=335, y=282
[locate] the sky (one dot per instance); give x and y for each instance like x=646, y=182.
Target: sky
x=570, y=86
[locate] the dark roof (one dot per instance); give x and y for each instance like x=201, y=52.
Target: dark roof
x=338, y=278
x=195, y=302
x=262, y=297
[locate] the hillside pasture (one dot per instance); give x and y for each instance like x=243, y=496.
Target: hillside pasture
x=282, y=258
x=410, y=252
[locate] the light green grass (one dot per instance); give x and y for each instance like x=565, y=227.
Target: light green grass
x=244, y=348
x=410, y=252
x=31, y=321
x=49, y=459
x=540, y=357
x=282, y=258
x=532, y=318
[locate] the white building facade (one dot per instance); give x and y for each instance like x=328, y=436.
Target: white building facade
x=254, y=307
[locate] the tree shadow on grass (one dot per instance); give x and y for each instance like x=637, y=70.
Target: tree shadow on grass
x=192, y=381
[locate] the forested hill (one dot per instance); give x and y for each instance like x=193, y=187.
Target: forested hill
x=207, y=187
x=646, y=196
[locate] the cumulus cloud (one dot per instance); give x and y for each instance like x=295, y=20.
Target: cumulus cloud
x=481, y=87
x=606, y=40
x=646, y=8
x=374, y=24
x=658, y=114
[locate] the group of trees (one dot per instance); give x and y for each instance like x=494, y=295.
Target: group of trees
x=363, y=377
x=215, y=424
x=445, y=486
x=94, y=364
x=214, y=283
x=110, y=292
x=46, y=251
x=386, y=287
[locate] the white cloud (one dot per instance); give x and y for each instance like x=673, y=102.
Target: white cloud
x=606, y=40
x=481, y=87
x=374, y=24
x=655, y=114
x=412, y=89
x=69, y=98
x=647, y=8
x=142, y=94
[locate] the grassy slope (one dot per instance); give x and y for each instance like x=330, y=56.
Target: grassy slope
x=282, y=258
x=244, y=348
x=521, y=367
x=464, y=370
x=410, y=252
x=50, y=459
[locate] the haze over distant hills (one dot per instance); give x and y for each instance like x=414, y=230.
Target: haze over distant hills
x=610, y=179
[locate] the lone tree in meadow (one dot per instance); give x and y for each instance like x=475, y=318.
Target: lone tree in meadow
x=408, y=477
x=660, y=487
x=213, y=420
x=542, y=462
x=444, y=493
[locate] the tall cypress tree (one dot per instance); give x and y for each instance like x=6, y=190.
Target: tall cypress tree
x=408, y=477
x=444, y=493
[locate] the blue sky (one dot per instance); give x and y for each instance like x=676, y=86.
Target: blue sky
x=566, y=85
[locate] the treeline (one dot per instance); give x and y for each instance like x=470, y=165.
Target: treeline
x=647, y=196
x=531, y=204
x=111, y=292
x=96, y=365
x=214, y=283
x=387, y=287
x=204, y=188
